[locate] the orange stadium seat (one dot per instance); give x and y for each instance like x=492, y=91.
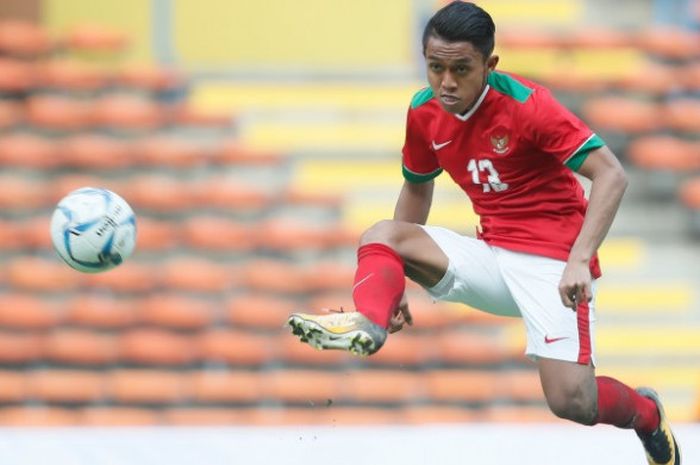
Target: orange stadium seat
x=20, y=348
x=94, y=152
x=154, y=235
x=230, y=194
x=149, y=78
x=11, y=116
x=294, y=352
x=461, y=385
x=36, y=232
x=137, y=386
x=519, y=414
x=664, y=153
x=313, y=387
x=16, y=77
x=159, y=193
x=71, y=75
x=232, y=152
x=350, y=416
x=327, y=276
x=13, y=386
x=64, y=184
x=80, y=347
x=683, y=115
x=100, y=311
x=131, y=277
x=570, y=80
x=27, y=311
x=27, y=150
x=521, y=385
x=235, y=347
x=528, y=38
x=275, y=276
x=622, y=114
x=404, y=349
x=286, y=416
x=382, y=386
x=217, y=387
x=11, y=235
x=118, y=416
x=187, y=115
x=176, y=311
x=690, y=193
x=216, y=233
x=653, y=79
x=297, y=196
x=96, y=38
x=58, y=113
x=197, y=275
x=597, y=37
x=469, y=348
x=435, y=414
x=38, y=274
x=199, y=416
x=669, y=42
x=70, y=386
x=38, y=416
x=258, y=311
x=23, y=39
x=126, y=113
x=287, y=235
x=20, y=193
x=156, y=347
x=168, y=151
x=689, y=76
x=336, y=300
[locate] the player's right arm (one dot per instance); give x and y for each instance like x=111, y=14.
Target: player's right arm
x=413, y=205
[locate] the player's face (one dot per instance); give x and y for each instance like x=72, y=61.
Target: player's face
x=457, y=73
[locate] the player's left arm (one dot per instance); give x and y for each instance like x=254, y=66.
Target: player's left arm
x=609, y=182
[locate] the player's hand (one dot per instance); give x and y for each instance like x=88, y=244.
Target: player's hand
x=575, y=284
x=401, y=316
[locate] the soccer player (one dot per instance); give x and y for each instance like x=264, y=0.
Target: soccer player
x=513, y=149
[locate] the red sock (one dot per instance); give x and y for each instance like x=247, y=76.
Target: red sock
x=379, y=282
x=622, y=406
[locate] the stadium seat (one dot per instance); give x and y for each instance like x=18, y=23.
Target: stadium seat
x=169, y=152
x=92, y=38
x=683, y=115
x=622, y=115
x=435, y=414
x=233, y=153
x=35, y=232
x=20, y=349
x=664, y=153
x=197, y=275
x=66, y=386
x=293, y=352
x=29, y=312
x=259, y=311
x=461, y=347
x=285, y=416
x=23, y=39
x=288, y=236
x=176, y=311
x=199, y=416
x=89, y=151
x=80, y=347
x=149, y=78
x=70, y=75
x=19, y=193
x=58, y=114
x=404, y=349
x=156, y=235
x=230, y=194
x=38, y=274
x=296, y=196
x=13, y=386
x=336, y=300
x=63, y=184
x=519, y=414
x=595, y=36
x=274, y=276
x=689, y=76
x=127, y=114
x=118, y=416
x=673, y=43
x=100, y=311
x=38, y=416
x=158, y=193
x=461, y=386
x=308, y=387
x=225, y=387
x=16, y=77
x=235, y=348
x=358, y=416
x=11, y=235
x=653, y=79
x=521, y=385
x=328, y=276
x=156, y=347
x=186, y=115
x=11, y=116
x=690, y=193
x=215, y=233
x=26, y=150
x=130, y=277
x=382, y=386
x=157, y=387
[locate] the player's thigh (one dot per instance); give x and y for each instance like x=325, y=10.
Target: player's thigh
x=424, y=262
x=473, y=276
x=553, y=330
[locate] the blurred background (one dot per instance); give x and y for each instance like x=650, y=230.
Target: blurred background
x=255, y=141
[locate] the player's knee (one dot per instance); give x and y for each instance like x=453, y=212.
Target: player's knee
x=574, y=406
x=384, y=232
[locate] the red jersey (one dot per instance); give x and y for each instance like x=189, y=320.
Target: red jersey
x=513, y=154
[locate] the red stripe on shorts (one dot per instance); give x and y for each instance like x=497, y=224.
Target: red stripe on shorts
x=584, y=333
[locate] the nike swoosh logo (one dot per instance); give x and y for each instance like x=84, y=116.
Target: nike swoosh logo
x=437, y=147
x=548, y=340
x=362, y=281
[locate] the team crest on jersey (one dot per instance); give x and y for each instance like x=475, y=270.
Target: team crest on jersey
x=499, y=140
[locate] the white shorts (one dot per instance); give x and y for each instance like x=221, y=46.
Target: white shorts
x=504, y=282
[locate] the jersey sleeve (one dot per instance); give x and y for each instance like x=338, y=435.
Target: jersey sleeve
x=557, y=131
x=419, y=161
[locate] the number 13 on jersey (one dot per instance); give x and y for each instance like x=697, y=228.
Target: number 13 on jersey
x=493, y=181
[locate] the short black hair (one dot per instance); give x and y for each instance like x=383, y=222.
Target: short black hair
x=462, y=22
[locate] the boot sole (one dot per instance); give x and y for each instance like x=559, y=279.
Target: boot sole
x=357, y=342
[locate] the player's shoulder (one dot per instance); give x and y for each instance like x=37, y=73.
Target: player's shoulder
x=516, y=88
x=424, y=99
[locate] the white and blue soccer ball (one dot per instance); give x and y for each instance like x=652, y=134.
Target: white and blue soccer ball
x=93, y=229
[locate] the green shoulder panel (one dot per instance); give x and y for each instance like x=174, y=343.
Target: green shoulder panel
x=421, y=97
x=576, y=160
x=509, y=86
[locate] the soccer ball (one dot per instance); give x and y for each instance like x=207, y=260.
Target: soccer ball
x=93, y=229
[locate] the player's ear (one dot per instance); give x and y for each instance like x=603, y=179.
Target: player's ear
x=491, y=62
